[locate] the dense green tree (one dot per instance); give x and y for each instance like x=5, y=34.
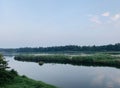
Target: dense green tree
x=3, y=63
x=68, y=48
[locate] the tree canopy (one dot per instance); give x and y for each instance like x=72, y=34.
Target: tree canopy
x=110, y=47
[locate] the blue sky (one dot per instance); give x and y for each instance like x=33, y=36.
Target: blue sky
x=35, y=23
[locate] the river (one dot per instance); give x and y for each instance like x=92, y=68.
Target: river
x=68, y=76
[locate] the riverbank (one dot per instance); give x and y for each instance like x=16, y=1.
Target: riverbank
x=24, y=82
x=90, y=60
x=11, y=79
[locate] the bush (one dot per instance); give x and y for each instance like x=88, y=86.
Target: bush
x=13, y=72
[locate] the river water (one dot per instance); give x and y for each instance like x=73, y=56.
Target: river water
x=68, y=76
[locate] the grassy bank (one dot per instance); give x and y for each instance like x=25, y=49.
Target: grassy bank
x=10, y=79
x=24, y=82
x=92, y=60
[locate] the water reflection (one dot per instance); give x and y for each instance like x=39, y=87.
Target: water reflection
x=69, y=76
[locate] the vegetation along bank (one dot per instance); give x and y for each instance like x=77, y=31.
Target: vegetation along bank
x=11, y=79
x=91, y=60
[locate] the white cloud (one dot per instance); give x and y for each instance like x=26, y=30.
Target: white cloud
x=95, y=19
x=106, y=19
x=116, y=17
x=106, y=14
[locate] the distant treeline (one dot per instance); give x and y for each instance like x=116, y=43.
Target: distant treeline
x=103, y=48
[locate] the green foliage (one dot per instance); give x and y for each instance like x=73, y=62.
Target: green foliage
x=67, y=48
x=13, y=72
x=103, y=48
x=5, y=76
x=93, y=60
x=44, y=58
x=3, y=63
x=24, y=82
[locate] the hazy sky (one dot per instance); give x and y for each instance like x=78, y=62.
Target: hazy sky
x=59, y=22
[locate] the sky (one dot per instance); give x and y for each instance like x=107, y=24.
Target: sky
x=34, y=23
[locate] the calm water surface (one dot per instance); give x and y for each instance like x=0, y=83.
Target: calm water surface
x=69, y=76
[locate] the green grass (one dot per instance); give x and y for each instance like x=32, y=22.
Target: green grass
x=24, y=82
x=91, y=60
